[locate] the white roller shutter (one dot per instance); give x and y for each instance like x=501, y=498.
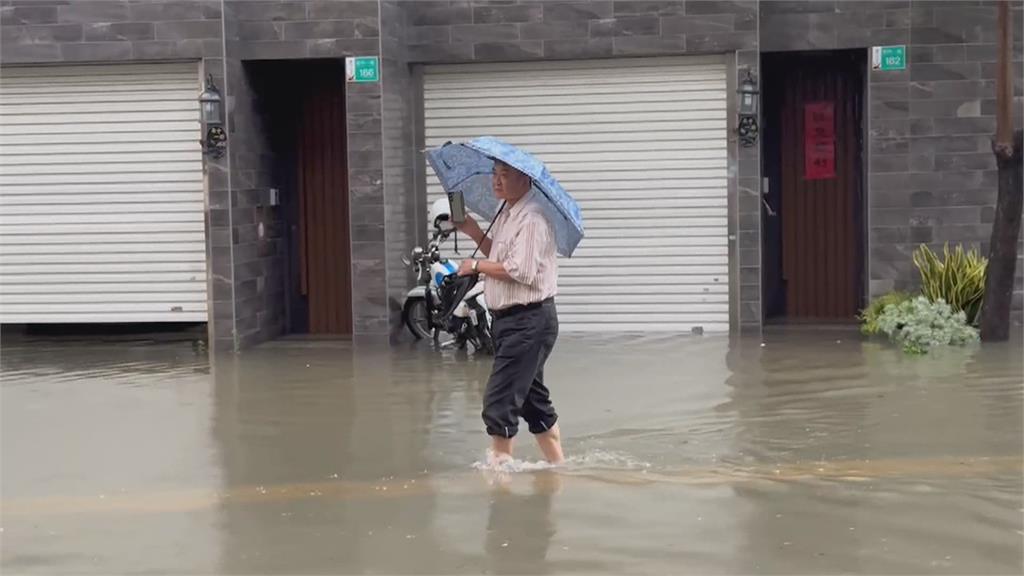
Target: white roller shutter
x=642, y=145
x=101, y=195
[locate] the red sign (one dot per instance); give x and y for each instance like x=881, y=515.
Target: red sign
x=819, y=141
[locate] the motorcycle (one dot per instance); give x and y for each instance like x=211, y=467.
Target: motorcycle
x=443, y=301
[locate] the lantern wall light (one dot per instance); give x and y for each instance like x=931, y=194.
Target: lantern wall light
x=211, y=107
x=748, y=95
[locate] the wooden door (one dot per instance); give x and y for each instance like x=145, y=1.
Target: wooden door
x=325, y=261
x=821, y=181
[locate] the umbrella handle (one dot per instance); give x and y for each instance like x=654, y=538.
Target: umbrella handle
x=448, y=166
x=491, y=225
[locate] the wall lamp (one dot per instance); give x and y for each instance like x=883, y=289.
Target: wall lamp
x=211, y=106
x=747, y=128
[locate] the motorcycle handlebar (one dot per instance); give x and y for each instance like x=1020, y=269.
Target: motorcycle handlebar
x=433, y=251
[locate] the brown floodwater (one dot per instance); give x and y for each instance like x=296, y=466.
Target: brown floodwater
x=812, y=453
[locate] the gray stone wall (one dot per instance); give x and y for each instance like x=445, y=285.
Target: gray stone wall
x=104, y=31
x=298, y=29
x=931, y=176
x=369, y=232
x=109, y=30
x=443, y=31
x=258, y=250
x=246, y=275
x=931, y=171
x=402, y=212
x=465, y=31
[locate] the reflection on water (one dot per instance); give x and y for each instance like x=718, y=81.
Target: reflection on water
x=810, y=453
x=520, y=527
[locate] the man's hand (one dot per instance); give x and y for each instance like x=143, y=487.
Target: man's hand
x=466, y=268
x=470, y=228
x=488, y=268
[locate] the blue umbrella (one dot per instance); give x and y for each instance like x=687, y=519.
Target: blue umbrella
x=467, y=168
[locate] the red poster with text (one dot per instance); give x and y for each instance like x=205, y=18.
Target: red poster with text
x=819, y=141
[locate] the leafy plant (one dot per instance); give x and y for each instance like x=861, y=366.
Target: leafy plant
x=919, y=324
x=869, y=316
x=958, y=279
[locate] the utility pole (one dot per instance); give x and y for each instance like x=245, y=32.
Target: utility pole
x=1002, y=257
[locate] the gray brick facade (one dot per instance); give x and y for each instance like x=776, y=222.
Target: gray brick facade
x=462, y=31
x=931, y=174
x=458, y=31
x=404, y=210
x=246, y=271
x=931, y=171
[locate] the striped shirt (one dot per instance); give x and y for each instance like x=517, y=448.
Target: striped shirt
x=523, y=241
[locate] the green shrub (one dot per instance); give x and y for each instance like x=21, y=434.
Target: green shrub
x=869, y=316
x=919, y=324
x=958, y=279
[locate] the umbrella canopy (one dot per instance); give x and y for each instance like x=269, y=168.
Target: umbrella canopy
x=467, y=168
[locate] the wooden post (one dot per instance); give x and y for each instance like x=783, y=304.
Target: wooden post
x=1004, y=79
x=1002, y=259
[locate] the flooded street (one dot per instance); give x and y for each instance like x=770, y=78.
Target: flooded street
x=815, y=453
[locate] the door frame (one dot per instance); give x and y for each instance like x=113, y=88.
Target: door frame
x=770, y=145
x=281, y=89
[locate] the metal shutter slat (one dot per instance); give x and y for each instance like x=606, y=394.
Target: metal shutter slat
x=101, y=188
x=642, y=145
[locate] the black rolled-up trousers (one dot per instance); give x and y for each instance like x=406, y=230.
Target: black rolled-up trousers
x=523, y=338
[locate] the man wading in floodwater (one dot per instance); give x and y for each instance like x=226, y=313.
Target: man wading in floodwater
x=522, y=278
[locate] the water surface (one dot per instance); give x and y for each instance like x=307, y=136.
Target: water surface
x=812, y=453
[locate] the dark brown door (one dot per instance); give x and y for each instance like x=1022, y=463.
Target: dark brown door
x=820, y=207
x=325, y=261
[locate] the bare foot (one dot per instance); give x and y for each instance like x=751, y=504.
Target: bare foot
x=497, y=469
x=502, y=446
x=550, y=444
x=498, y=460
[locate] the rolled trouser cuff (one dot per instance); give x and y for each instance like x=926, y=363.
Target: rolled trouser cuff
x=543, y=425
x=501, y=431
